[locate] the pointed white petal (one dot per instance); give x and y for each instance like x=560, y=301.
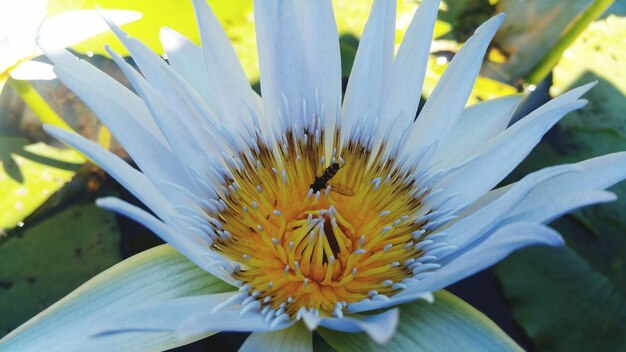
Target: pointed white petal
x=321, y=42
x=392, y=302
x=597, y=174
x=71, y=27
x=370, y=72
x=228, y=319
x=156, y=275
x=406, y=76
x=552, y=208
x=229, y=89
x=134, y=181
x=191, y=245
x=568, y=192
x=85, y=73
x=158, y=316
x=187, y=59
x=477, y=125
x=296, y=338
x=496, y=247
x=447, y=324
x=380, y=327
x=284, y=82
x=184, y=138
x=200, y=122
x=471, y=227
x=445, y=104
x=125, y=115
x=501, y=154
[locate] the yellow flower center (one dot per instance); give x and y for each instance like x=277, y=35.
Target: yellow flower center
x=317, y=233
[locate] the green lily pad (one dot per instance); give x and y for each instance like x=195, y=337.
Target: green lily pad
x=448, y=324
x=29, y=175
x=561, y=299
x=573, y=299
x=48, y=260
x=562, y=303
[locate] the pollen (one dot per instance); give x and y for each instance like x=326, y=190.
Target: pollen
x=319, y=229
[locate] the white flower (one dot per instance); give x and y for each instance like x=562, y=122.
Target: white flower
x=315, y=210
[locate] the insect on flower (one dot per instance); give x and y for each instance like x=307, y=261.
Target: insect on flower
x=321, y=182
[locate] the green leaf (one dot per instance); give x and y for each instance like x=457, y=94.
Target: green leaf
x=448, y=324
x=530, y=30
x=463, y=17
x=598, y=54
x=44, y=262
x=596, y=235
x=155, y=275
x=29, y=175
x=562, y=303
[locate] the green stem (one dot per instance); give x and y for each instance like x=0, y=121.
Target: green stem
x=36, y=102
x=545, y=65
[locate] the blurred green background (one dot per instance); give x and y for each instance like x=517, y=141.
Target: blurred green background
x=52, y=237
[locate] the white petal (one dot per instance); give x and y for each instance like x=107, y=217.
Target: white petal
x=470, y=228
x=187, y=317
x=134, y=181
x=502, y=154
x=156, y=275
x=187, y=59
x=71, y=27
x=85, y=73
x=32, y=70
x=597, y=174
x=445, y=104
x=284, y=82
x=321, y=41
x=296, y=338
x=227, y=83
x=551, y=208
x=200, y=122
x=370, y=72
x=183, y=137
x=191, y=245
x=406, y=76
x=493, y=249
x=227, y=319
x=380, y=327
x=477, y=125
x=365, y=306
x=125, y=115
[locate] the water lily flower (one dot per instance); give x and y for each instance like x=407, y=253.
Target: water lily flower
x=305, y=212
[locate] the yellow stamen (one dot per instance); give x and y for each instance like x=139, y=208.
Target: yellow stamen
x=312, y=249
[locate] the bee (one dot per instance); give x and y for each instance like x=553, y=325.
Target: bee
x=321, y=182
